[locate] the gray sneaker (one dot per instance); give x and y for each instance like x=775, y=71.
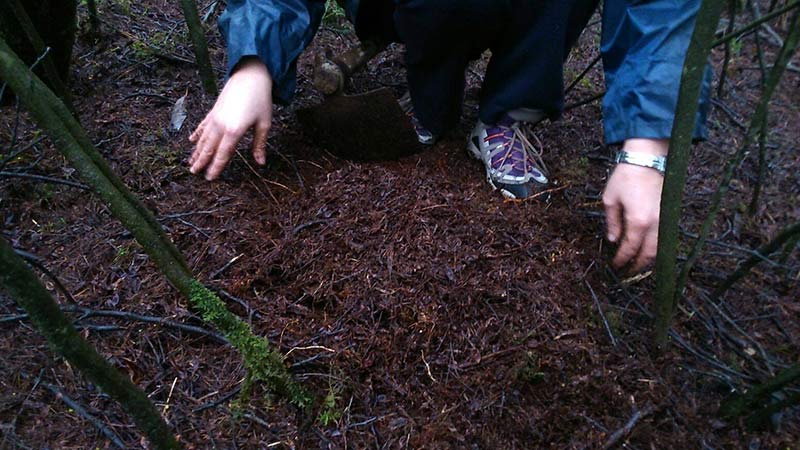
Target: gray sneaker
x=511, y=153
x=424, y=136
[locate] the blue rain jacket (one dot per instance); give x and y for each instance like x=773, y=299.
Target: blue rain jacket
x=644, y=45
x=275, y=31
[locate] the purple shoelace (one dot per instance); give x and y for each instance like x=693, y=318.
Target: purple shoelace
x=512, y=152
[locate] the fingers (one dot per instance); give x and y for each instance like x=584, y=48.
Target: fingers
x=193, y=138
x=613, y=220
x=214, y=148
x=647, y=253
x=205, y=150
x=631, y=202
x=197, y=132
x=260, y=144
x=223, y=155
x=627, y=250
x=635, y=230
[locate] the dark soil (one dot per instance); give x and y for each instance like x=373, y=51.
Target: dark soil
x=430, y=312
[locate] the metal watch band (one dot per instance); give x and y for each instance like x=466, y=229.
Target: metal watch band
x=642, y=159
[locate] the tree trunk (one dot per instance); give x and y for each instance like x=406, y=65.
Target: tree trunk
x=675, y=177
x=200, y=45
x=17, y=280
x=263, y=363
x=54, y=23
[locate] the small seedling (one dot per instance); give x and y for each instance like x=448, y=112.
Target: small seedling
x=329, y=413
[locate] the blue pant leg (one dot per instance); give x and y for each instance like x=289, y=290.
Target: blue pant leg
x=441, y=37
x=644, y=46
x=527, y=65
x=529, y=41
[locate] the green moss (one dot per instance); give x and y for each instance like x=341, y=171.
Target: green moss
x=262, y=363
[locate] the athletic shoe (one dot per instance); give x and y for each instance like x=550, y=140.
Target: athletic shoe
x=511, y=153
x=423, y=135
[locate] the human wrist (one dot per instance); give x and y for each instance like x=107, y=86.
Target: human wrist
x=252, y=66
x=648, y=154
x=655, y=147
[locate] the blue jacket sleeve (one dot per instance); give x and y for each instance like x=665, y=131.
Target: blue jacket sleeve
x=644, y=46
x=276, y=32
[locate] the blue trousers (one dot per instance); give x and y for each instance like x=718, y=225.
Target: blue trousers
x=529, y=41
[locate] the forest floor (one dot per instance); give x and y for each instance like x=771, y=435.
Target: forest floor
x=421, y=308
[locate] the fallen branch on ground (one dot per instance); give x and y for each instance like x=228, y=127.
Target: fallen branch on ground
x=628, y=428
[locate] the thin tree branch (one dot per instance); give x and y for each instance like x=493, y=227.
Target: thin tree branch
x=756, y=23
x=81, y=411
x=44, y=178
x=767, y=249
x=618, y=435
x=677, y=161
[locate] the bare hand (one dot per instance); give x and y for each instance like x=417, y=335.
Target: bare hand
x=632, y=201
x=245, y=102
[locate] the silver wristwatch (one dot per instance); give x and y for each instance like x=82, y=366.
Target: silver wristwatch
x=642, y=159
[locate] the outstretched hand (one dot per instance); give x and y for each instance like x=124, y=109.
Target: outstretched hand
x=245, y=102
x=632, y=201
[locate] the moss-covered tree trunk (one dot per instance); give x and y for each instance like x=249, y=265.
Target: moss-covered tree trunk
x=675, y=177
x=200, y=45
x=51, y=114
x=18, y=281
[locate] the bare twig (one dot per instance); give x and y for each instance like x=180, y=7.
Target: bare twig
x=618, y=435
x=727, y=58
x=81, y=411
x=602, y=314
x=36, y=262
x=222, y=399
x=483, y=359
x=13, y=423
x=738, y=248
x=582, y=74
x=767, y=249
x=776, y=38
x=762, y=169
x=251, y=313
x=591, y=99
x=14, y=153
x=756, y=23
x=226, y=266
x=43, y=178
x=729, y=112
x=85, y=313
x=724, y=316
